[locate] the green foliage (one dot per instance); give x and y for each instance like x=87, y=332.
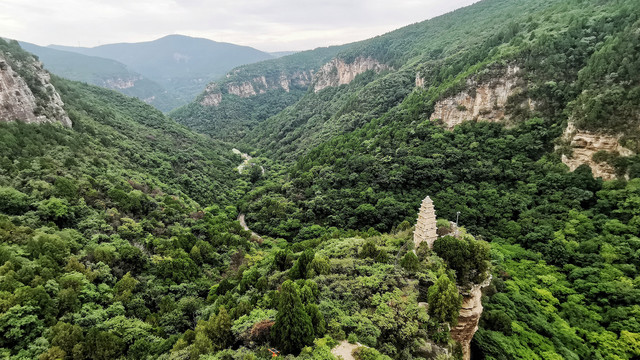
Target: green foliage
x=444, y=301
x=410, y=262
x=235, y=116
x=468, y=257
x=366, y=353
x=121, y=231
x=12, y=201
x=300, y=269
x=293, y=328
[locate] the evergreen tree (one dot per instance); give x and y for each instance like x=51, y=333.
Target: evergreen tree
x=220, y=330
x=410, y=262
x=293, y=328
x=444, y=301
x=300, y=268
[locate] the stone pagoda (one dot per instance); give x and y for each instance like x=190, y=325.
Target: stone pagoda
x=426, y=224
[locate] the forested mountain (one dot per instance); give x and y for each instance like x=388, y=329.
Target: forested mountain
x=102, y=72
x=119, y=239
x=182, y=65
x=503, y=111
x=122, y=233
x=250, y=94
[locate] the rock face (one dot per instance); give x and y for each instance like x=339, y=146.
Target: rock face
x=244, y=89
x=257, y=85
x=585, y=144
x=120, y=84
x=211, y=99
x=470, y=313
x=419, y=81
x=482, y=100
x=18, y=102
x=426, y=224
x=336, y=72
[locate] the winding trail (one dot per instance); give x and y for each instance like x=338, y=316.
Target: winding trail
x=247, y=158
x=243, y=223
x=241, y=219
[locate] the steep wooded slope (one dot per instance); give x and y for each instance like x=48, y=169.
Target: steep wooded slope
x=106, y=73
x=249, y=94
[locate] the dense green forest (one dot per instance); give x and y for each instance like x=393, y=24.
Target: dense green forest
x=120, y=239
x=355, y=164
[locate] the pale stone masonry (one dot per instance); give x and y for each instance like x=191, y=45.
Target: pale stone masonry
x=426, y=224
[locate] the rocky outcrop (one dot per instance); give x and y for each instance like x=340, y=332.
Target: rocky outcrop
x=470, y=313
x=120, y=84
x=17, y=99
x=211, y=99
x=482, y=100
x=257, y=85
x=584, y=145
x=419, y=80
x=243, y=89
x=337, y=72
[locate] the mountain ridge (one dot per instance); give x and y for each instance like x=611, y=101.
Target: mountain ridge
x=181, y=65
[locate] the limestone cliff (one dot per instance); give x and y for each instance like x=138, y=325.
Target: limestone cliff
x=257, y=85
x=120, y=83
x=584, y=145
x=212, y=96
x=17, y=99
x=470, y=313
x=337, y=72
x=484, y=98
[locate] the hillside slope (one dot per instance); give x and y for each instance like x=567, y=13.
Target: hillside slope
x=90, y=212
x=102, y=72
x=26, y=92
x=505, y=72
x=249, y=94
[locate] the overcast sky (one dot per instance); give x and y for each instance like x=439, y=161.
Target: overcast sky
x=269, y=25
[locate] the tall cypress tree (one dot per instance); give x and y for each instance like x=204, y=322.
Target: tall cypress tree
x=293, y=328
x=444, y=301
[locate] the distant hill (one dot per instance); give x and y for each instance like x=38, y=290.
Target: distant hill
x=182, y=65
x=103, y=72
x=282, y=53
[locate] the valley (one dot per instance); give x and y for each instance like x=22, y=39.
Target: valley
x=466, y=187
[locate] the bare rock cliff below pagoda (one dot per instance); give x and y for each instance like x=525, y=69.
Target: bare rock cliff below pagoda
x=469, y=318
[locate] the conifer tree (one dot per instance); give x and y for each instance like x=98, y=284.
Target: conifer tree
x=444, y=301
x=293, y=328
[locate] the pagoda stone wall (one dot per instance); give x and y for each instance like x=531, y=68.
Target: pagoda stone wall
x=426, y=224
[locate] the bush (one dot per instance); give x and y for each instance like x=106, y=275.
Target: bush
x=12, y=201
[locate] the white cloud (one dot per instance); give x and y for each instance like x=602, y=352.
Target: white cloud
x=267, y=25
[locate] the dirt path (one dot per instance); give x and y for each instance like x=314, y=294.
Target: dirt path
x=243, y=223
x=246, y=158
x=245, y=162
x=344, y=350
x=241, y=167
